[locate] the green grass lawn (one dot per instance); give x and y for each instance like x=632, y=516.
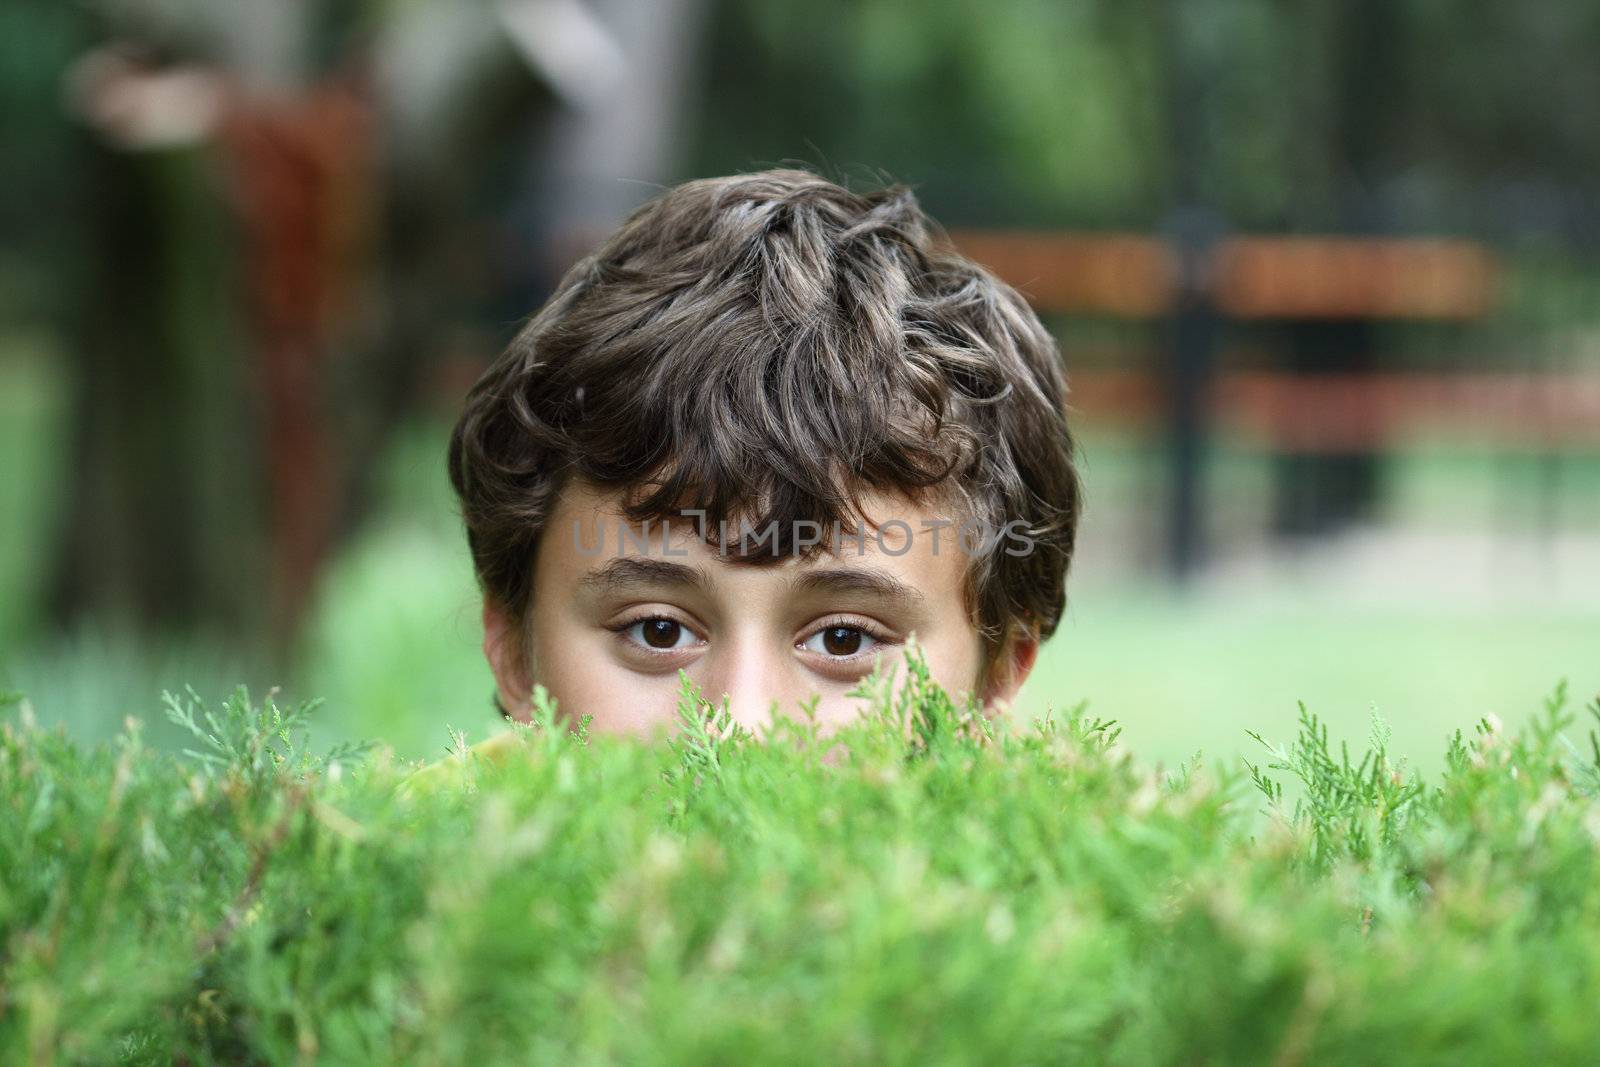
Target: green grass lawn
x=1187, y=673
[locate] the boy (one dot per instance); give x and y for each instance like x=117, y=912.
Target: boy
x=765, y=434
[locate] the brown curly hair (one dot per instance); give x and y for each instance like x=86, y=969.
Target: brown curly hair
x=768, y=346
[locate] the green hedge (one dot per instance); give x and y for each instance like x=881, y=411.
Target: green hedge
x=933, y=888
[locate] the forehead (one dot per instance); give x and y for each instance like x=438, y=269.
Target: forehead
x=916, y=544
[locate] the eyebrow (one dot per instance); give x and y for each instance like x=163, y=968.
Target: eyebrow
x=858, y=580
x=638, y=570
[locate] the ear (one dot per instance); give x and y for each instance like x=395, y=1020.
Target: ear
x=1011, y=668
x=503, y=648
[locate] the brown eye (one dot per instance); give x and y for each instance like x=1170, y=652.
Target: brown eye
x=660, y=634
x=841, y=641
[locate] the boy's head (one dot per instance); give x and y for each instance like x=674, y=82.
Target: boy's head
x=670, y=466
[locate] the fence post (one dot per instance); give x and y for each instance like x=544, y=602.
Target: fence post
x=1191, y=356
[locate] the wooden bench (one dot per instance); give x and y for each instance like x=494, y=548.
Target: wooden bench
x=1320, y=281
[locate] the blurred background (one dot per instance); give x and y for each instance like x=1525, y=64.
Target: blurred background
x=1326, y=276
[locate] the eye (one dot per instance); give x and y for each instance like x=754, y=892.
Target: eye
x=660, y=634
x=840, y=641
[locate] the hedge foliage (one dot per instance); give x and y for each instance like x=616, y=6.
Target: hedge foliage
x=928, y=886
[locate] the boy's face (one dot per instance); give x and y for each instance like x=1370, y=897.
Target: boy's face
x=613, y=620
